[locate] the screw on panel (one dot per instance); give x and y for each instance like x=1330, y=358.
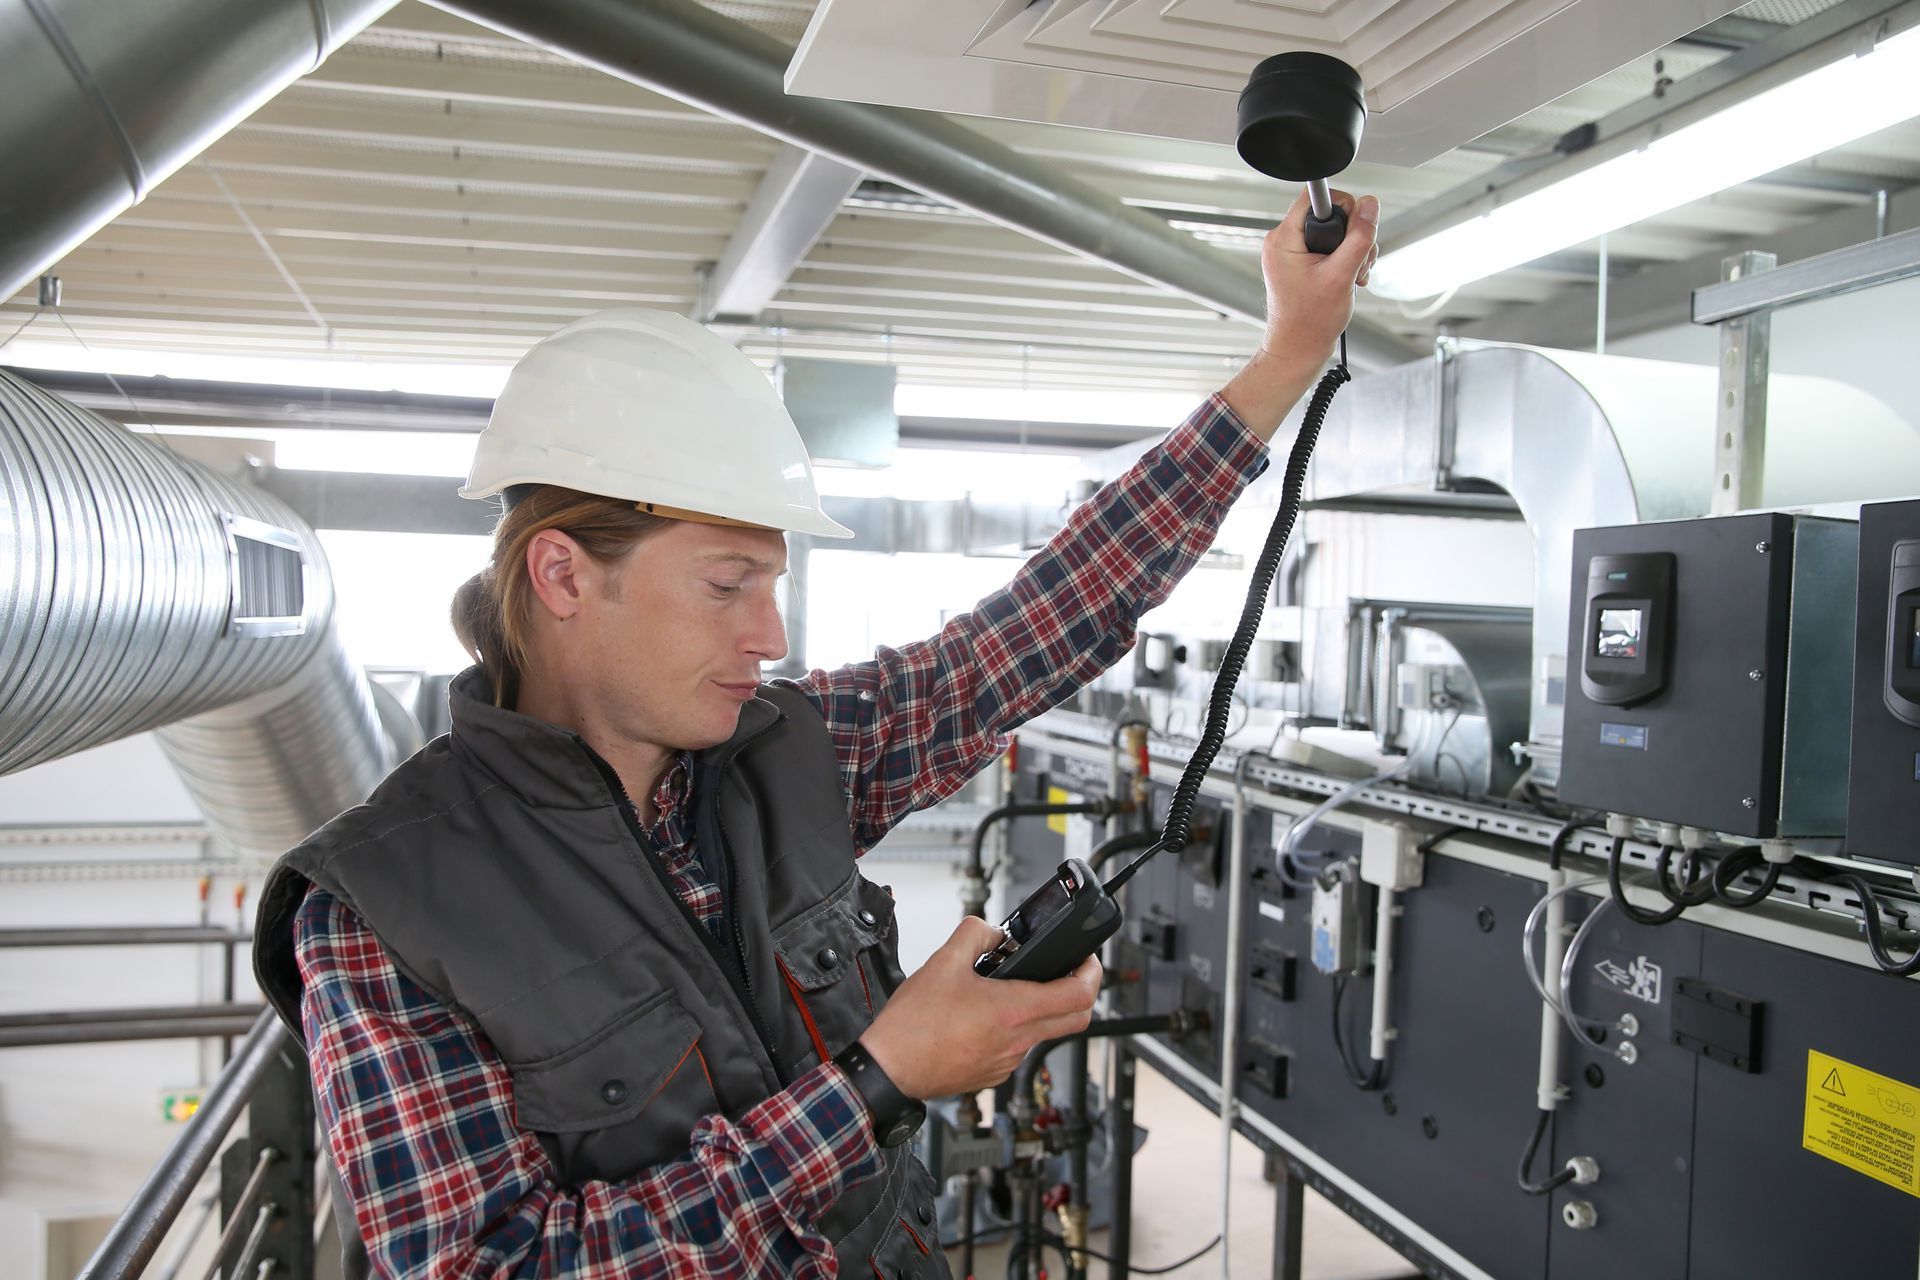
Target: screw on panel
x=1430, y=1127
x=1756, y=675
x=1763, y=547
x=1748, y=802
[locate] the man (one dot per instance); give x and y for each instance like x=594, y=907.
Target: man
x=592, y=986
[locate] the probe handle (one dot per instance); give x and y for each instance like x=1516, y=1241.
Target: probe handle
x=1324, y=235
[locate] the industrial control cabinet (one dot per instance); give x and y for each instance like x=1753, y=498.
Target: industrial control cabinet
x=1709, y=671
x=1708, y=1170
x=1883, y=796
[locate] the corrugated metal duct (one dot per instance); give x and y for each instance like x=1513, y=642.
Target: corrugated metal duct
x=140, y=590
x=106, y=99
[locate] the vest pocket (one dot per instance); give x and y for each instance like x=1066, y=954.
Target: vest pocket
x=840, y=962
x=910, y=1245
x=650, y=1054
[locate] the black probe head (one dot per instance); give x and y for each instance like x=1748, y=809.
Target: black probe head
x=1301, y=116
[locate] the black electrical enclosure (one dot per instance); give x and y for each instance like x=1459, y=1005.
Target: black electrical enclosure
x=1902, y=665
x=1883, y=786
x=1623, y=656
x=1679, y=631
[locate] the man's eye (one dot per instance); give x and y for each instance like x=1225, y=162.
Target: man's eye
x=725, y=589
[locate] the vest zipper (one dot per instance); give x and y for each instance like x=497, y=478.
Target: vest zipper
x=733, y=966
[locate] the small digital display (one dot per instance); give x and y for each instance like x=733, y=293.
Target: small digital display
x=1913, y=651
x=1622, y=634
x=1043, y=906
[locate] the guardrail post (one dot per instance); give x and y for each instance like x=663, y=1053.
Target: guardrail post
x=279, y=1116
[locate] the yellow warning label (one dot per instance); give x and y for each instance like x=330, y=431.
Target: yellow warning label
x=1057, y=823
x=1864, y=1121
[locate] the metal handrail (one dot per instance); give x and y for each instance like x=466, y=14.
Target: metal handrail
x=67, y=1017
x=134, y=1239
x=38, y=1031
x=128, y=936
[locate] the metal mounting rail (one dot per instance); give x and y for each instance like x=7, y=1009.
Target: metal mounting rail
x=1817, y=905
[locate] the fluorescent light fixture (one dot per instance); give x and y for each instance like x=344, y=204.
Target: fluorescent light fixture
x=340, y=374
x=1162, y=410
x=1830, y=107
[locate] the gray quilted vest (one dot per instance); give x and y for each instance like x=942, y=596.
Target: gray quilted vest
x=502, y=871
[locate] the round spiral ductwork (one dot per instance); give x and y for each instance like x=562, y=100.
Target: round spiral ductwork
x=140, y=590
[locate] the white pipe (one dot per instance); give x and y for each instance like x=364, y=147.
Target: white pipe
x=1230, y=1008
x=1382, y=973
x=1549, y=1090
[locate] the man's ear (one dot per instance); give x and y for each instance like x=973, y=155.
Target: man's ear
x=557, y=568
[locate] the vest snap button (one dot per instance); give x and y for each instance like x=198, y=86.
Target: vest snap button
x=868, y=919
x=926, y=1215
x=828, y=957
x=614, y=1092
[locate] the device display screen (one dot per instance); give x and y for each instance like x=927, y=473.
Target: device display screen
x=1621, y=634
x=1913, y=652
x=1039, y=909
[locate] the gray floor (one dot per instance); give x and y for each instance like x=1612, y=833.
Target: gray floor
x=1177, y=1206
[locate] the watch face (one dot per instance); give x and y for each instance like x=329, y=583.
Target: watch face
x=904, y=1126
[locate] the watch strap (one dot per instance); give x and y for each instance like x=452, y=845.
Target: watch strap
x=895, y=1116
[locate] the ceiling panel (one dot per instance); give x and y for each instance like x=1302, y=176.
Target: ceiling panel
x=441, y=193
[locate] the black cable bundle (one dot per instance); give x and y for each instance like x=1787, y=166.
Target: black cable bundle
x=1374, y=1078
x=1552, y=1184
x=1694, y=890
x=1639, y=915
x=1876, y=931
x=1727, y=873
x=1179, y=824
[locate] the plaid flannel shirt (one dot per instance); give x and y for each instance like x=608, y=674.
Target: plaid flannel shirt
x=419, y=1109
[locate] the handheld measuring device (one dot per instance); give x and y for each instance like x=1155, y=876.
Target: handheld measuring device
x=1060, y=924
x=1300, y=120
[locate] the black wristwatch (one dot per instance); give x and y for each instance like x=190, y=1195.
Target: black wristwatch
x=895, y=1116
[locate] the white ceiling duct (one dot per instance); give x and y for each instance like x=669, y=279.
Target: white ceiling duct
x=1438, y=72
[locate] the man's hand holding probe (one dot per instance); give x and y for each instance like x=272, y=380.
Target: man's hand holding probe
x=948, y=1030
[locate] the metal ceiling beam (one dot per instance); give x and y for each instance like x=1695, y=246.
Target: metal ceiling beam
x=1794, y=52
x=1731, y=33
x=372, y=503
x=689, y=52
x=796, y=201
x=1661, y=296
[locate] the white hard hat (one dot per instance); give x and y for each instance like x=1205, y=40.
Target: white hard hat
x=651, y=407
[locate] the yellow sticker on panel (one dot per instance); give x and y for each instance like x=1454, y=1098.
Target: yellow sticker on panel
x=1867, y=1122
x=1057, y=823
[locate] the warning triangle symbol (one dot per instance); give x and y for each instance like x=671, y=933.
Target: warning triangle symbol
x=1832, y=1083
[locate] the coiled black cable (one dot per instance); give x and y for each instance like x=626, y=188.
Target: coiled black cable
x=1639, y=915
x=1179, y=825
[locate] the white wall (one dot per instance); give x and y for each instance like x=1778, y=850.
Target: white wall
x=80, y=1127
x=1867, y=339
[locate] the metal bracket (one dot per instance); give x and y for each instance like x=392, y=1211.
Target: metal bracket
x=1740, y=443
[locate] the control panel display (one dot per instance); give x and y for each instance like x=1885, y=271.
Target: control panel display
x=1622, y=632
